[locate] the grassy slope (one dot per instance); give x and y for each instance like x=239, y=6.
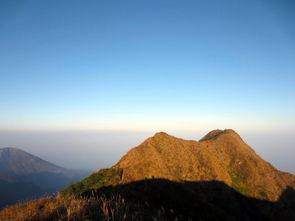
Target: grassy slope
x=104, y=177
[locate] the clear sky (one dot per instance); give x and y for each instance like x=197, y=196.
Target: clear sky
x=147, y=65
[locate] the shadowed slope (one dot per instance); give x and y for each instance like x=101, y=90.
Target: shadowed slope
x=156, y=199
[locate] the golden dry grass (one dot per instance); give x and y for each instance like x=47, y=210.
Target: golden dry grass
x=66, y=209
x=155, y=199
x=220, y=155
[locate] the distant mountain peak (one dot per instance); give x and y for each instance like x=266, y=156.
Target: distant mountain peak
x=161, y=140
x=10, y=149
x=14, y=156
x=209, y=136
x=217, y=132
x=20, y=162
x=162, y=135
x=23, y=175
x=14, y=150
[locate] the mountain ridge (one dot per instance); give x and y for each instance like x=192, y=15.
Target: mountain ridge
x=220, y=155
x=25, y=176
x=16, y=156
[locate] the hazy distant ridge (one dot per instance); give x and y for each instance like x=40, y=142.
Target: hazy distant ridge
x=23, y=176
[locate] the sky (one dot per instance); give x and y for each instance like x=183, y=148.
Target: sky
x=147, y=66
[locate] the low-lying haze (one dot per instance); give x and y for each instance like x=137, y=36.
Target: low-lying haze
x=97, y=149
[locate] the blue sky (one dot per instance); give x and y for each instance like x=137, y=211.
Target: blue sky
x=147, y=65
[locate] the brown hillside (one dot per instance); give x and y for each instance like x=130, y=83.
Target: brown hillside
x=167, y=178
x=220, y=155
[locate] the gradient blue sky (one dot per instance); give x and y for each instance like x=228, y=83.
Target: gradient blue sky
x=147, y=65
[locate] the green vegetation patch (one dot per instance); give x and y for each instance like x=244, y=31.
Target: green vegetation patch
x=237, y=182
x=104, y=177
